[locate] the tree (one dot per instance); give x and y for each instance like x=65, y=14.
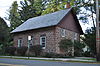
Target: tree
x=67, y=45
x=30, y=9
x=90, y=40
x=79, y=6
x=14, y=17
x=27, y=9
x=4, y=34
x=53, y=5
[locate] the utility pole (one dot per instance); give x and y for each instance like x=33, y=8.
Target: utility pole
x=98, y=29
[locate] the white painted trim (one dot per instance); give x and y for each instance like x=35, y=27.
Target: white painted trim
x=19, y=43
x=75, y=36
x=63, y=32
x=30, y=38
x=41, y=41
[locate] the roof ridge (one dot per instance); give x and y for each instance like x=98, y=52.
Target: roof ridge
x=50, y=13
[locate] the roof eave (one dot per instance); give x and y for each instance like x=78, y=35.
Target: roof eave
x=31, y=29
x=77, y=21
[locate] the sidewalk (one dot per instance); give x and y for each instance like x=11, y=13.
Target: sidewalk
x=87, y=59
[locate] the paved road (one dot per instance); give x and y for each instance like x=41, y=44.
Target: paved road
x=20, y=62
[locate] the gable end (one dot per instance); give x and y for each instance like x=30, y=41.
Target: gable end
x=70, y=22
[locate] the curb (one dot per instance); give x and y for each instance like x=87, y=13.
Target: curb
x=39, y=58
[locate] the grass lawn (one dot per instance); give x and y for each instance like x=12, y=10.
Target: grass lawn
x=53, y=60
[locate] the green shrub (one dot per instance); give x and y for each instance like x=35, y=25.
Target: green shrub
x=50, y=55
x=78, y=48
x=65, y=46
x=1, y=49
x=21, y=50
x=65, y=43
x=10, y=50
x=36, y=49
x=87, y=54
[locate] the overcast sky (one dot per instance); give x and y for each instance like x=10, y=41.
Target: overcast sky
x=5, y=5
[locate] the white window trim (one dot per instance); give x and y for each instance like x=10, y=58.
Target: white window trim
x=75, y=36
x=41, y=41
x=30, y=38
x=19, y=44
x=64, y=32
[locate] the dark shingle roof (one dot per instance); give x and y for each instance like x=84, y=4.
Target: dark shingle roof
x=42, y=21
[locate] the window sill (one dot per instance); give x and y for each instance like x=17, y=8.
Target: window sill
x=62, y=36
x=43, y=47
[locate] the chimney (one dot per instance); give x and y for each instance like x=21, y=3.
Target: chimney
x=68, y=5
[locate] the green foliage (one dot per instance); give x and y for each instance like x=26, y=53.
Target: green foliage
x=37, y=49
x=53, y=6
x=65, y=44
x=79, y=45
x=14, y=17
x=4, y=33
x=90, y=40
x=27, y=9
x=79, y=5
x=10, y=50
x=21, y=50
x=30, y=9
x=87, y=54
x=78, y=48
x=50, y=55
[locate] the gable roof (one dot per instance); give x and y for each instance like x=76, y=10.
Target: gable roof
x=47, y=20
x=42, y=21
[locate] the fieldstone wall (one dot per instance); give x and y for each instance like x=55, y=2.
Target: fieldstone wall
x=53, y=37
x=68, y=35
x=50, y=41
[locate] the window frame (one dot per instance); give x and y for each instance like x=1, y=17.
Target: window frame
x=30, y=41
x=41, y=37
x=63, y=32
x=19, y=42
x=75, y=36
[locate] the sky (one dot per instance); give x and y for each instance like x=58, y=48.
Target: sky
x=4, y=8
x=5, y=5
